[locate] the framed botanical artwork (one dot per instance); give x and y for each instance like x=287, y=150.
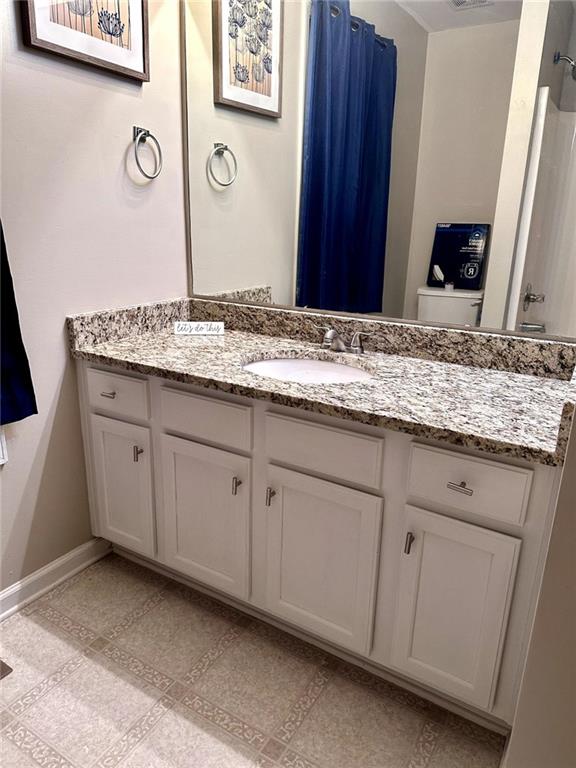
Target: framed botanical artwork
x=247, y=49
x=109, y=34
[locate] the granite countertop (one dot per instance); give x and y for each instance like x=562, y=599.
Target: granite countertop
x=499, y=412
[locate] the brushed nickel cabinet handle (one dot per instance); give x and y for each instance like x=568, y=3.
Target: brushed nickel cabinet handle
x=460, y=488
x=410, y=538
x=236, y=483
x=137, y=452
x=270, y=493
x=110, y=395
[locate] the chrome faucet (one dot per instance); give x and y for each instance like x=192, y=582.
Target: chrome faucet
x=335, y=343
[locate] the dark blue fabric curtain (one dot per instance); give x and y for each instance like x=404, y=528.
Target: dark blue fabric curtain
x=17, y=398
x=350, y=89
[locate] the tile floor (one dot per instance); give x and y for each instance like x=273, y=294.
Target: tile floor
x=119, y=666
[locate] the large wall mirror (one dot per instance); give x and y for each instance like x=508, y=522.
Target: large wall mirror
x=423, y=166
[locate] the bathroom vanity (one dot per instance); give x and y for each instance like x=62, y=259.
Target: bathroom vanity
x=345, y=512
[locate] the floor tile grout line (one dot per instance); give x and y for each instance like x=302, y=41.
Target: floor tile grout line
x=46, y=610
x=43, y=742
x=44, y=687
x=153, y=601
x=202, y=699
x=213, y=655
x=293, y=714
x=422, y=760
x=75, y=662
x=165, y=701
x=237, y=627
x=281, y=720
x=46, y=741
x=105, y=653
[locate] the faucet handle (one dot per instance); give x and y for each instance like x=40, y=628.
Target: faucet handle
x=329, y=334
x=356, y=345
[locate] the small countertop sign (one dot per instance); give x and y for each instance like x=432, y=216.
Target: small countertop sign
x=194, y=328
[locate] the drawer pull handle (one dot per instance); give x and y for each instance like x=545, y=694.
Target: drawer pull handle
x=460, y=487
x=236, y=483
x=109, y=395
x=137, y=452
x=410, y=538
x=270, y=493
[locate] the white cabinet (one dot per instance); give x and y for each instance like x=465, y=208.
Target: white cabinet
x=123, y=483
x=487, y=489
x=318, y=553
x=323, y=546
x=455, y=585
x=206, y=514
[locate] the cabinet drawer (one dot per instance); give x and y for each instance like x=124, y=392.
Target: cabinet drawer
x=338, y=453
x=122, y=395
x=208, y=419
x=486, y=488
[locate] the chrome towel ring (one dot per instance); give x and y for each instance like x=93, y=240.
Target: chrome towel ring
x=139, y=136
x=218, y=151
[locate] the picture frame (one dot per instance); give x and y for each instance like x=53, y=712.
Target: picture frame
x=111, y=35
x=247, y=46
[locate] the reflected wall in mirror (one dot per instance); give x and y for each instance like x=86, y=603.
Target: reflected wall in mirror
x=424, y=167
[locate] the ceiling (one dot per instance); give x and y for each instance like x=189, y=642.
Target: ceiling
x=438, y=15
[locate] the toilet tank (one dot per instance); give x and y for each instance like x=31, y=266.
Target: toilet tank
x=456, y=307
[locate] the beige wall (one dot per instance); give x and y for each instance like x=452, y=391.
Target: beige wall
x=568, y=99
x=81, y=235
x=411, y=42
x=514, y=159
x=466, y=98
x=543, y=734
x=244, y=235
x=557, y=38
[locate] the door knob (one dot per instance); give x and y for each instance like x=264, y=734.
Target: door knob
x=236, y=483
x=270, y=493
x=532, y=298
x=137, y=452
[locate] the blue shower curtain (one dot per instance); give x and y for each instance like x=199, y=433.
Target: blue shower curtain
x=350, y=89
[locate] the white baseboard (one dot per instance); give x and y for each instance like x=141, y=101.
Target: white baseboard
x=36, y=584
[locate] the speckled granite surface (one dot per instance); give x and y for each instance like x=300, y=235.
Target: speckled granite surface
x=504, y=352
x=260, y=294
x=495, y=411
x=538, y=357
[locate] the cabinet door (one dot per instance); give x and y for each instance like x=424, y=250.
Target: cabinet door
x=207, y=514
x=323, y=545
x=123, y=482
x=454, y=592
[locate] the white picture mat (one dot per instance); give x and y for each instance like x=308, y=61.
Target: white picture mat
x=243, y=95
x=80, y=42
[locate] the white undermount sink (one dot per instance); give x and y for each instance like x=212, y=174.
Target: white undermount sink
x=307, y=371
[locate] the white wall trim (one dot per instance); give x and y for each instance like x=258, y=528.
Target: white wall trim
x=38, y=583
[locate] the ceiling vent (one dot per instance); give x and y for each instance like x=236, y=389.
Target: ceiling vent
x=468, y=5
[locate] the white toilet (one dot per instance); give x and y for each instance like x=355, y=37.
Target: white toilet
x=454, y=307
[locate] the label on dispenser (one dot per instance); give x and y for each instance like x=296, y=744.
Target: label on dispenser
x=458, y=255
